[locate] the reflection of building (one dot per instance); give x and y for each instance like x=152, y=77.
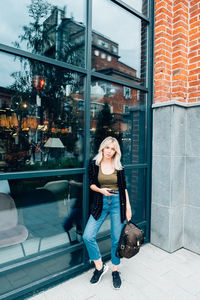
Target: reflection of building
x=105, y=59
x=64, y=38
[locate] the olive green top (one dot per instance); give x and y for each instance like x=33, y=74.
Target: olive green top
x=108, y=180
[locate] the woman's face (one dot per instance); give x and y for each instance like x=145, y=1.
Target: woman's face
x=109, y=151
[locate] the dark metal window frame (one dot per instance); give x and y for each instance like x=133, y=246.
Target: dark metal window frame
x=148, y=89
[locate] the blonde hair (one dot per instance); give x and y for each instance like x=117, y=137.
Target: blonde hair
x=117, y=156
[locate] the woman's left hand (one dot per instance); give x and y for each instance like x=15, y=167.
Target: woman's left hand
x=128, y=213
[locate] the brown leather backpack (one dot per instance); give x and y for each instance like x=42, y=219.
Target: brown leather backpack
x=130, y=241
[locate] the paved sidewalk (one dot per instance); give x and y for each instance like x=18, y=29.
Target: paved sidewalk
x=152, y=274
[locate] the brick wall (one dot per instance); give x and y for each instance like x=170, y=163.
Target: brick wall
x=177, y=51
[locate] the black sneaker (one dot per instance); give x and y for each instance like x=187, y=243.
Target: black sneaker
x=116, y=280
x=98, y=274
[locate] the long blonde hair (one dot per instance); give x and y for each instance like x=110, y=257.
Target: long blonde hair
x=117, y=156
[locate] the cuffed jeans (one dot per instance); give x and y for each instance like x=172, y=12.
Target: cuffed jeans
x=111, y=205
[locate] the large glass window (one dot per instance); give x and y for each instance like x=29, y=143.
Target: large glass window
x=39, y=215
x=118, y=111
x=41, y=116
x=39, y=218
x=52, y=28
x=122, y=52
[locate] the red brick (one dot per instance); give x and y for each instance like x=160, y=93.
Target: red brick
x=196, y=47
x=193, y=2
x=179, y=41
x=193, y=54
x=185, y=2
x=192, y=89
x=193, y=8
x=180, y=30
x=194, y=83
x=178, y=18
x=193, y=43
x=192, y=78
x=177, y=50
x=194, y=13
x=194, y=71
x=181, y=23
x=193, y=31
x=194, y=59
x=196, y=94
x=164, y=11
x=192, y=100
x=179, y=89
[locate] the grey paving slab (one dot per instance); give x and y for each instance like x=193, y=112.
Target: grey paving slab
x=188, y=284
x=153, y=274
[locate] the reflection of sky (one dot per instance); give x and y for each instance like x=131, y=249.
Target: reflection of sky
x=8, y=66
x=121, y=27
x=11, y=27
x=135, y=4
x=12, y=19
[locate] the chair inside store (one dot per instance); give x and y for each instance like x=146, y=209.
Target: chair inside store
x=60, y=189
x=69, y=199
x=11, y=233
x=41, y=214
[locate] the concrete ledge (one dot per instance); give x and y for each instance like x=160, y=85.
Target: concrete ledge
x=175, y=102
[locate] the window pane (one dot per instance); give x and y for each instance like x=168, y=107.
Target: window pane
x=38, y=215
x=136, y=182
x=41, y=116
x=140, y=5
x=122, y=52
x=43, y=27
x=40, y=269
x=119, y=111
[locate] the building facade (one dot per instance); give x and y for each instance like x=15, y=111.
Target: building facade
x=68, y=79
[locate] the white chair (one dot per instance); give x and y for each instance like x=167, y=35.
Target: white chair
x=10, y=232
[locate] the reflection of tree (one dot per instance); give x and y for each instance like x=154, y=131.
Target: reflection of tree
x=34, y=35
x=105, y=127
x=56, y=109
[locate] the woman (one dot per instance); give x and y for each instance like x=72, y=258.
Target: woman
x=110, y=196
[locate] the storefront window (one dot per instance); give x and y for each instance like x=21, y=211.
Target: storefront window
x=41, y=116
x=122, y=52
x=118, y=111
x=52, y=28
x=39, y=215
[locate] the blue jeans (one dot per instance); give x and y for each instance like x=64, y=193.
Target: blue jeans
x=111, y=205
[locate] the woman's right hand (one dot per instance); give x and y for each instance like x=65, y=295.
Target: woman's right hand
x=105, y=192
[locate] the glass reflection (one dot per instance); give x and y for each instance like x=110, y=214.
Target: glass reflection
x=136, y=179
x=43, y=27
x=119, y=53
x=39, y=215
x=118, y=111
x=140, y=5
x=41, y=116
